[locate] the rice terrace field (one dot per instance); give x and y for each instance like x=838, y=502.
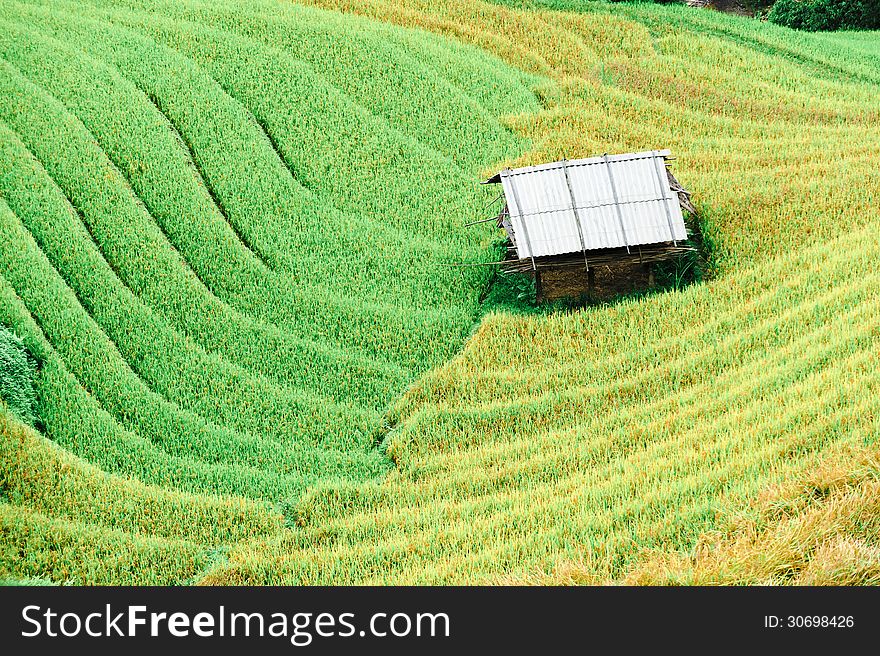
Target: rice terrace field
x=227, y=237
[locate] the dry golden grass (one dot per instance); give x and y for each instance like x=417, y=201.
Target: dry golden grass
x=821, y=529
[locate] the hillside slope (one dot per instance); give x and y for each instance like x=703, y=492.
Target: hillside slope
x=223, y=229
x=230, y=261
x=577, y=448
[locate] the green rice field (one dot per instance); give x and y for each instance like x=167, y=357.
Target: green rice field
x=228, y=236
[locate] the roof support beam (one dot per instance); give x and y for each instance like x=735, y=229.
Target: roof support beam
x=577, y=215
x=616, y=200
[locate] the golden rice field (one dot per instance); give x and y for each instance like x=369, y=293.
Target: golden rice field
x=225, y=230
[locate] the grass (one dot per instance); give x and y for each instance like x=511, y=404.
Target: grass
x=17, y=369
x=218, y=334
x=224, y=231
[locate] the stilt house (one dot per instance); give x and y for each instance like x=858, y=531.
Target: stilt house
x=592, y=226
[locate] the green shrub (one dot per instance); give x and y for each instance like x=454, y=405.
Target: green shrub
x=17, y=369
x=816, y=15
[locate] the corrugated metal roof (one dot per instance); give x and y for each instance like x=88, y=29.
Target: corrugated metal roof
x=578, y=205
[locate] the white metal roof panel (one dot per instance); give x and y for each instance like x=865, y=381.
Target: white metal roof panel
x=588, y=204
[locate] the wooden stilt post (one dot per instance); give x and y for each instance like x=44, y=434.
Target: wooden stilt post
x=539, y=292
